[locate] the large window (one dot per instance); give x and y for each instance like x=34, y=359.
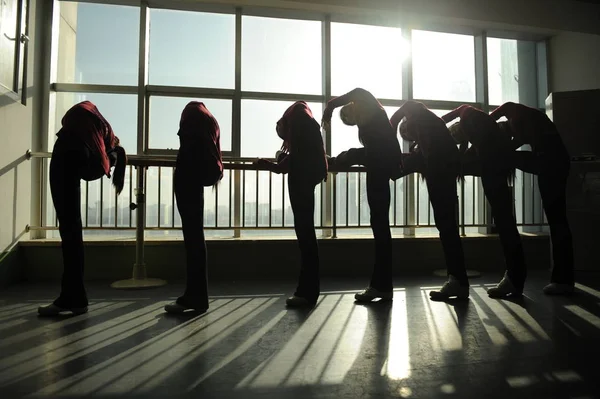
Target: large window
x=369, y=57
x=191, y=49
x=280, y=55
x=443, y=66
x=165, y=113
x=98, y=44
x=512, y=74
x=248, y=69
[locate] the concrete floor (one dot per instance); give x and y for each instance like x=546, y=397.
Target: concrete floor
x=248, y=345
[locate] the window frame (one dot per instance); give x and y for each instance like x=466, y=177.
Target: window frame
x=18, y=87
x=144, y=90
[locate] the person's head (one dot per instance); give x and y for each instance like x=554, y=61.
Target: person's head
x=506, y=130
x=348, y=115
x=457, y=132
x=280, y=127
x=406, y=130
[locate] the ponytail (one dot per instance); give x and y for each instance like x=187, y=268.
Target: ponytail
x=118, y=179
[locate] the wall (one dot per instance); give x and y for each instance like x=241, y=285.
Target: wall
x=530, y=15
x=246, y=260
x=574, y=61
x=17, y=125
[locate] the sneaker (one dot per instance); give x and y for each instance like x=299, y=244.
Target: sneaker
x=298, y=302
x=369, y=294
x=54, y=310
x=504, y=288
x=177, y=308
x=559, y=289
x=451, y=288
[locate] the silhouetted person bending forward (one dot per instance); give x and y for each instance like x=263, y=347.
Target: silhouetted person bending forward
x=303, y=158
x=86, y=149
x=382, y=157
x=199, y=164
x=492, y=151
x=436, y=151
x=531, y=126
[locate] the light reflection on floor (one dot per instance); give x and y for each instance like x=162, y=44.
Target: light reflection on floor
x=252, y=343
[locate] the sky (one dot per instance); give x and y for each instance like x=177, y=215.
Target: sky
x=197, y=50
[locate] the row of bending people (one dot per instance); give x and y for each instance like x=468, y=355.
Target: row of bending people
x=91, y=149
x=492, y=156
x=87, y=148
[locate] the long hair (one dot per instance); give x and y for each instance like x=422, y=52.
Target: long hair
x=118, y=178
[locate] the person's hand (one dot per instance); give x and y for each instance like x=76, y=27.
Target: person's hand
x=264, y=163
x=327, y=114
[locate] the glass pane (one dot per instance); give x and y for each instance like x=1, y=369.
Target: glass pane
x=8, y=32
x=259, y=138
x=281, y=55
x=369, y=57
x=503, y=70
x=443, y=66
x=98, y=44
x=179, y=55
x=120, y=110
x=165, y=113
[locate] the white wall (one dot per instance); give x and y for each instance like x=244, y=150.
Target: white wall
x=16, y=127
x=574, y=61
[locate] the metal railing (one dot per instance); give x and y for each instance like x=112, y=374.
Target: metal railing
x=249, y=198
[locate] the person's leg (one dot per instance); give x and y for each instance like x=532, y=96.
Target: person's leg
x=443, y=197
x=302, y=199
x=552, y=185
x=190, y=203
x=378, y=196
x=346, y=159
x=65, y=189
x=500, y=198
x=526, y=161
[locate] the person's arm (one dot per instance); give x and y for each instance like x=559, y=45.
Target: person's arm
x=464, y=146
x=356, y=95
x=500, y=111
x=450, y=116
x=404, y=110
x=279, y=167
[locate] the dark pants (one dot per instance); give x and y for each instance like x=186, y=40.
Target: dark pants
x=552, y=182
x=499, y=195
x=494, y=178
x=444, y=201
x=302, y=199
x=378, y=197
x=190, y=203
x=71, y=160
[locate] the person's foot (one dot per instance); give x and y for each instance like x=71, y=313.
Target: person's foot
x=185, y=303
x=55, y=310
x=559, y=289
x=451, y=288
x=369, y=294
x=504, y=288
x=298, y=302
